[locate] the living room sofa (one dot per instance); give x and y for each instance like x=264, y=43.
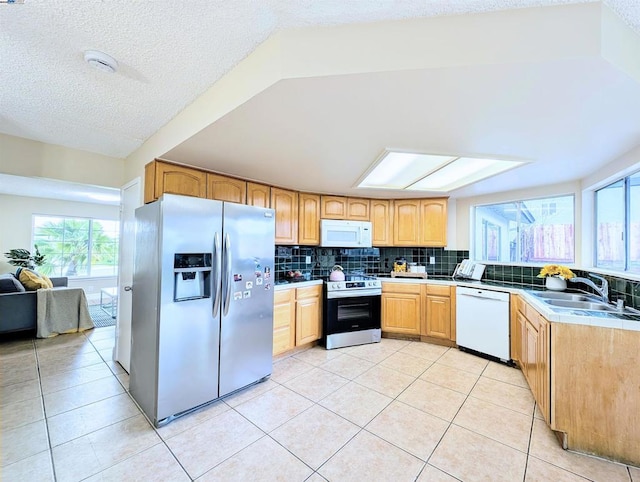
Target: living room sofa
x=18, y=309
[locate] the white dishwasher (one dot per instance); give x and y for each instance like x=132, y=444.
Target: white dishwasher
x=482, y=321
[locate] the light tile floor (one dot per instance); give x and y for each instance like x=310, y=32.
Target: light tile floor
x=392, y=411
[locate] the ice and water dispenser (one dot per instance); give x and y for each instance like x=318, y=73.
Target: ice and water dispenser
x=192, y=276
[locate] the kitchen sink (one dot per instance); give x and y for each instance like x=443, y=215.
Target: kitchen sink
x=580, y=305
x=554, y=295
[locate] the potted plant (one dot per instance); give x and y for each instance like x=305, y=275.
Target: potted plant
x=24, y=258
x=556, y=276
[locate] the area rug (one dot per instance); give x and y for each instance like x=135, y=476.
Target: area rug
x=100, y=317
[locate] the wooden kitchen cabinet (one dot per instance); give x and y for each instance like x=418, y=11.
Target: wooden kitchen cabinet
x=258, y=195
x=284, y=320
x=162, y=177
x=339, y=207
x=309, y=219
x=285, y=204
x=439, y=321
x=401, y=308
x=308, y=314
x=381, y=222
x=333, y=207
x=406, y=222
x=533, y=331
x=433, y=222
x=358, y=209
x=224, y=188
x=420, y=222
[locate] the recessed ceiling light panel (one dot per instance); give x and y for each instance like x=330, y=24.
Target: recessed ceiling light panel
x=430, y=172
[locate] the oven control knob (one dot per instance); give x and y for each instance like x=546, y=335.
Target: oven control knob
x=335, y=286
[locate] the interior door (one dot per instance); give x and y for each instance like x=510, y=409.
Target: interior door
x=130, y=199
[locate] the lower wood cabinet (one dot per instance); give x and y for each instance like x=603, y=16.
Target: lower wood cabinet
x=533, y=355
x=297, y=317
x=440, y=316
x=402, y=308
x=284, y=321
x=308, y=314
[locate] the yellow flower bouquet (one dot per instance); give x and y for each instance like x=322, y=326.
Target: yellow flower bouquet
x=556, y=270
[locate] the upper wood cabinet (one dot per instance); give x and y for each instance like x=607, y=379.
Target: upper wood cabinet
x=309, y=219
x=258, y=195
x=420, y=222
x=433, y=222
x=333, y=207
x=339, y=207
x=401, y=308
x=308, y=314
x=163, y=177
x=285, y=204
x=358, y=209
x=223, y=188
x=403, y=222
x=381, y=222
x=406, y=222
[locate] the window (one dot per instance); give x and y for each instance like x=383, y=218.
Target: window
x=530, y=231
x=618, y=225
x=77, y=247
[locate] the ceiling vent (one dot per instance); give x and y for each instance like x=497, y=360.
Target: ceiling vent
x=101, y=61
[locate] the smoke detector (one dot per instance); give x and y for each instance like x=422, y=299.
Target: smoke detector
x=101, y=61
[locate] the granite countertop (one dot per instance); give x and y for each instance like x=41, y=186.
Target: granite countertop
x=285, y=285
x=604, y=319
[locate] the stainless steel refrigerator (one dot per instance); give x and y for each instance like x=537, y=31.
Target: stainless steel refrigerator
x=202, y=314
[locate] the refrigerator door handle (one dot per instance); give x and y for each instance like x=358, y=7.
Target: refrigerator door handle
x=227, y=275
x=217, y=253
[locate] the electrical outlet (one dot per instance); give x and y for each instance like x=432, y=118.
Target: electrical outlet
x=307, y=259
x=432, y=260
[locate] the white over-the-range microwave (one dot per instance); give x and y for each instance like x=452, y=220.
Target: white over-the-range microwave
x=345, y=234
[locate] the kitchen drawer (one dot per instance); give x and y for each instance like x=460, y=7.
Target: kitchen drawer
x=439, y=290
x=309, y=292
x=283, y=296
x=413, y=288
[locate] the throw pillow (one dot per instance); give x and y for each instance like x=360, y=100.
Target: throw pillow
x=9, y=284
x=33, y=280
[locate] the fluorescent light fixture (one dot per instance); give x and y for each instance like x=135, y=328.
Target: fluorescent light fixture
x=429, y=172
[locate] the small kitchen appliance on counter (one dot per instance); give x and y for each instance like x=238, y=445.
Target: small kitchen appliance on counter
x=337, y=273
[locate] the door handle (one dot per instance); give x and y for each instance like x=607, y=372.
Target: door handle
x=128, y=288
x=227, y=275
x=216, y=274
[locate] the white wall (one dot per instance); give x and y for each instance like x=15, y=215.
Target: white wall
x=24, y=157
x=16, y=218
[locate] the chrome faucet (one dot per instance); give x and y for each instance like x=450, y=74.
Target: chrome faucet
x=603, y=290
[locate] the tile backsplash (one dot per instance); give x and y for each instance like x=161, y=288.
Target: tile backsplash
x=371, y=261
x=374, y=261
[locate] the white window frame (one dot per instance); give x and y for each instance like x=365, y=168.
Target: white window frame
x=473, y=249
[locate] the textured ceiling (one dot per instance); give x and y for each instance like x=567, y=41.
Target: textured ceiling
x=169, y=52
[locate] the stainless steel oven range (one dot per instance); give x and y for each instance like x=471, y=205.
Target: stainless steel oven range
x=351, y=311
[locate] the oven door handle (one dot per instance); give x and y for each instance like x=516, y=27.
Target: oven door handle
x=331, y=295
